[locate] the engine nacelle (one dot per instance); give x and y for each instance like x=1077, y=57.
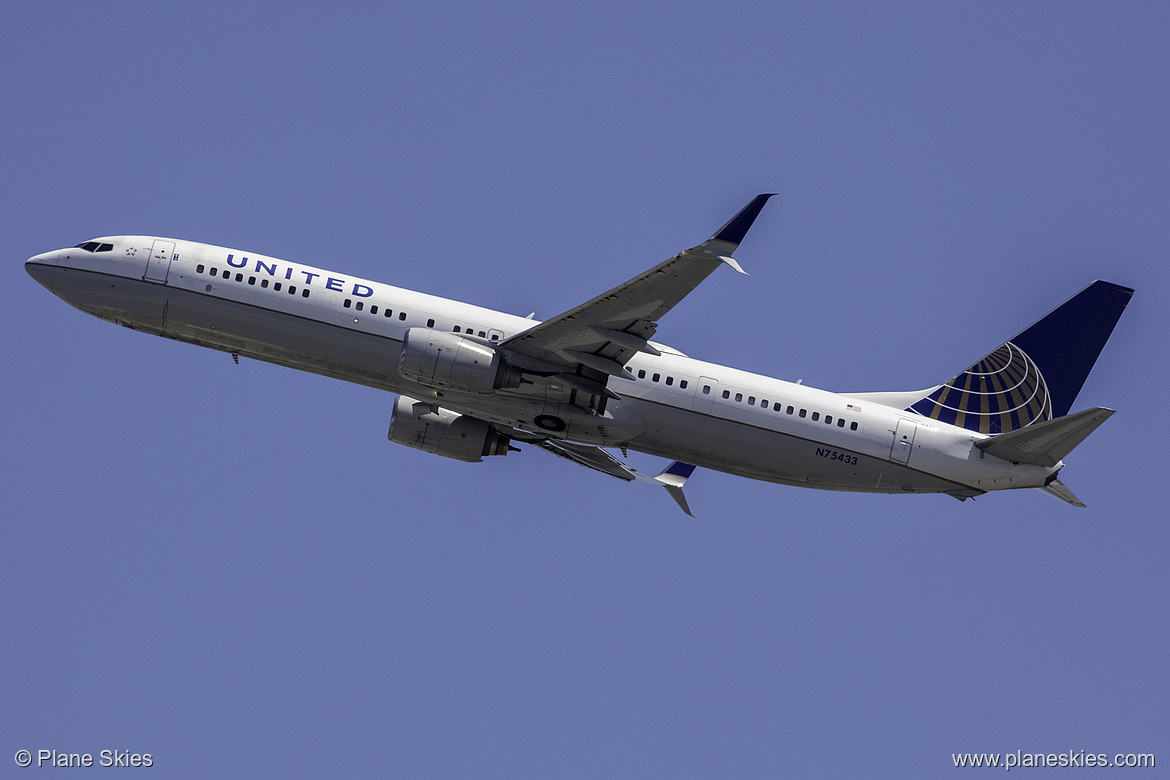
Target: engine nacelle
x=444, y=432
x=450, y=361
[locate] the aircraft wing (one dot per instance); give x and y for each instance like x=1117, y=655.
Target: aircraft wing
x=596, y=339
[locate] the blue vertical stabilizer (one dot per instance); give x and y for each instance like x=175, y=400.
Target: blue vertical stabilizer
x=1036, y=375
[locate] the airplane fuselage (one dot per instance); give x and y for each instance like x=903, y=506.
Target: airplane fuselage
x=672, y=406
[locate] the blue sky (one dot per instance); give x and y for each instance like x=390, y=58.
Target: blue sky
x=231, y=568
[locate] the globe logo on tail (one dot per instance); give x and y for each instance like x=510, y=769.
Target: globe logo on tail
x=1003, y=392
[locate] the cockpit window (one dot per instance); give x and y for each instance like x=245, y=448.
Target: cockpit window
x=94, y=246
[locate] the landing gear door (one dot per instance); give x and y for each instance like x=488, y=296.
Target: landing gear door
x=159, y=263
x=903, y=441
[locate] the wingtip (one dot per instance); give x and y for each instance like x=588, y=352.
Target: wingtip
x=677, y=494
x=737, y=227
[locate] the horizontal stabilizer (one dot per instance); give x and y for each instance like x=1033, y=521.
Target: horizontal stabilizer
x=1045, y=443
x=1058, y=489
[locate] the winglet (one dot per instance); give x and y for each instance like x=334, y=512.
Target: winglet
x=673, y=477
x=734, y=231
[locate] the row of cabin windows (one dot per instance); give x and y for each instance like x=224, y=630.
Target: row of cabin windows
x=777, y=407
x=349, y=302
x=471, y=331
x=278, y=286
x=751, y=401
x=658, y=377
x=360, y=305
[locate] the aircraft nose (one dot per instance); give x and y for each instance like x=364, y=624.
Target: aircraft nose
x=43, y=268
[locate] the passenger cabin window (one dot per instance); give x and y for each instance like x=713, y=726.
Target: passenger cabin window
x=853, y=426
x=292, y=289
x=655, y=378
x=263, y=282
x=348, y=303
x=456, y=328
x=374, y=309
x=751, y=400
x=727, y=394
x=389, y=313
x=359, y=306
x=803, y=413
x=706, y=389
x=199, y=268
x=402, y=316
x=738, y=397
x=641, y=373
x=816, y=416
x=239, y=277
x=670, y=380
x=252, y=280
x=430, y=323
x=840, y=422
x=683, y=384
x=305, y=293
x=276, y=286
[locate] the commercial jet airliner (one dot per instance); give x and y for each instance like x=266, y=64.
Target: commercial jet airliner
x=473, y=381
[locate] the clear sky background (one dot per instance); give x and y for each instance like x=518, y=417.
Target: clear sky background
x=231, y=568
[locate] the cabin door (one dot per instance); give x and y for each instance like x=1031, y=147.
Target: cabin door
x=903, y=441
x=159, y=263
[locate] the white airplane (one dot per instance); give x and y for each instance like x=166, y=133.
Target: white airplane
x=472, y=380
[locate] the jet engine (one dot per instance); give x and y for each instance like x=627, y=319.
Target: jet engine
x=443, y=432
x=448, y=360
